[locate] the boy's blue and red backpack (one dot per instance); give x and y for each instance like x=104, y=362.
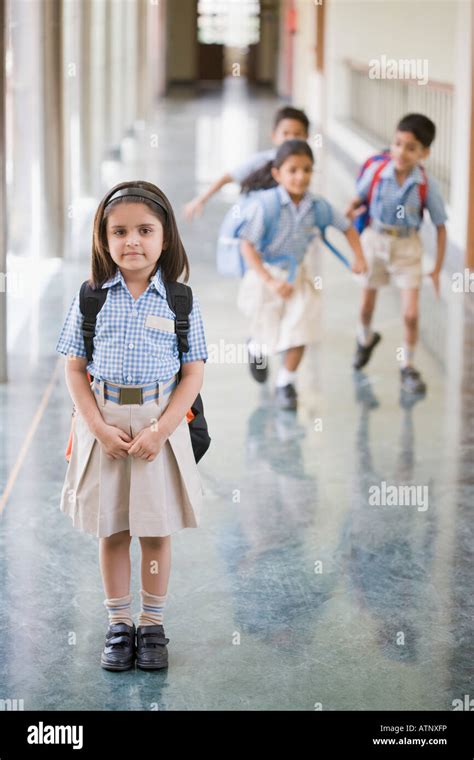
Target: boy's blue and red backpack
x=382, y=159
x=229, y=258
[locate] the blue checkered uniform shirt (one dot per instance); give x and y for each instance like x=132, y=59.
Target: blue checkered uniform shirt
x=296, y=226
x=130, y=346
x=389, y=197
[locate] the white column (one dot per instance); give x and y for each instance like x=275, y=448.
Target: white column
x=3, y=195
x=99, y=92
x=116, y=69
x=130, y=12
x=457, y=224
x=71, y=96
x=144, y=14
x=86, y=85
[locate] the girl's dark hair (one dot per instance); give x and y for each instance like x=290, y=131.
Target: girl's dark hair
x=262, y=179
x=292, y=148
x=173, y=261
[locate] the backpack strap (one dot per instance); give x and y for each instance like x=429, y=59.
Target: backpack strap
x=271, y=215
x=180, y=301
x=376, y=179
x=323, y=217
x=423, y=190
x=369, y=161
x=90, y=303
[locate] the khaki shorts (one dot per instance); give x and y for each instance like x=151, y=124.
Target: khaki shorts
x=104, y=496
x=276, y=323
x=391, y=259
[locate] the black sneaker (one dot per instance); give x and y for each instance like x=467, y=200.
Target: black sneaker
x=119, y=649
x=151, y=647
x=411, y=381
x=286, y=397
x=258, y=366
x=362, y=354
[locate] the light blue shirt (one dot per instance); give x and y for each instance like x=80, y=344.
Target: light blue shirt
x=242, y=171
x=389, y=197
x=296, y=225
x=135, y=341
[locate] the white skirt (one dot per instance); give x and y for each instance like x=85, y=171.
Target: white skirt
x=276, y=323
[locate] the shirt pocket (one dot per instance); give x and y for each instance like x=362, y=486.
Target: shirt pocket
x=160, y=337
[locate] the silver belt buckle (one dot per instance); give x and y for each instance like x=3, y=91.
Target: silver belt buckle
x=130, y=396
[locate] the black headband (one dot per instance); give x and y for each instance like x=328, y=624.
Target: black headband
x=137, y=192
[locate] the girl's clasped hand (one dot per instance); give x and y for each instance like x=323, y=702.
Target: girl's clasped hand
x=117, y=444
x=281, y=287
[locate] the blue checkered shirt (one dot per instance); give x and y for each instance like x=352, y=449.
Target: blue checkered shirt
x=391, y=200
x=296, y=226
x=134, y=342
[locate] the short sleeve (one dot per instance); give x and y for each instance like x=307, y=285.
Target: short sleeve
x=71, y=341
x=364, y=182
x=435, y=203
x=339, y=221
x=327, y=216
x=253, y=225
x=196, y=337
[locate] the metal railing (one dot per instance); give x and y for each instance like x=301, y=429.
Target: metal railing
x=376, y=105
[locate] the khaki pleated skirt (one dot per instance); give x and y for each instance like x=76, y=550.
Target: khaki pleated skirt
x=103, y=496
x=276, y=323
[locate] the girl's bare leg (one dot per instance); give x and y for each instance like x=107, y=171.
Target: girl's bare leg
x=293, y=358
x=156, y=564
x=114, y=558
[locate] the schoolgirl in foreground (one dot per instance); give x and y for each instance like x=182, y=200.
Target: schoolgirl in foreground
x=132, y=470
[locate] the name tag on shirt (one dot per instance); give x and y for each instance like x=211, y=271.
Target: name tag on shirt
x=160, y=323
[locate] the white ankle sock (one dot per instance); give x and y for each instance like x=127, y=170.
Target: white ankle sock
x=152, y=609
x=285, y=377
x=408, y=356
x=364, y=334
x=119, y=609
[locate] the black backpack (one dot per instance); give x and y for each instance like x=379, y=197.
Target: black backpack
x=180, y=301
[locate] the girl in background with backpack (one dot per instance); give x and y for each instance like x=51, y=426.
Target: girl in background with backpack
x=132, y=470
x=277, y=293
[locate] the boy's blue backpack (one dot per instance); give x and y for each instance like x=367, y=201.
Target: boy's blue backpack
x=229, y=258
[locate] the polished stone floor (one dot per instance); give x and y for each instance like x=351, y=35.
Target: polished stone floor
x=297, y=592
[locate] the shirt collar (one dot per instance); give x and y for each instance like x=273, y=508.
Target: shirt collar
x=285, y=198
x=415, y=176
x=156, y=281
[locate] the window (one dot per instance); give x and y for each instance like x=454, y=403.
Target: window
x=233, y=23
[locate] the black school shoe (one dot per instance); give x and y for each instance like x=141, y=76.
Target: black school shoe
x=119, y=649
x=151, y=647
x=258, y=366
x=286, y=397
x=412, y=382
x=363, y=353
